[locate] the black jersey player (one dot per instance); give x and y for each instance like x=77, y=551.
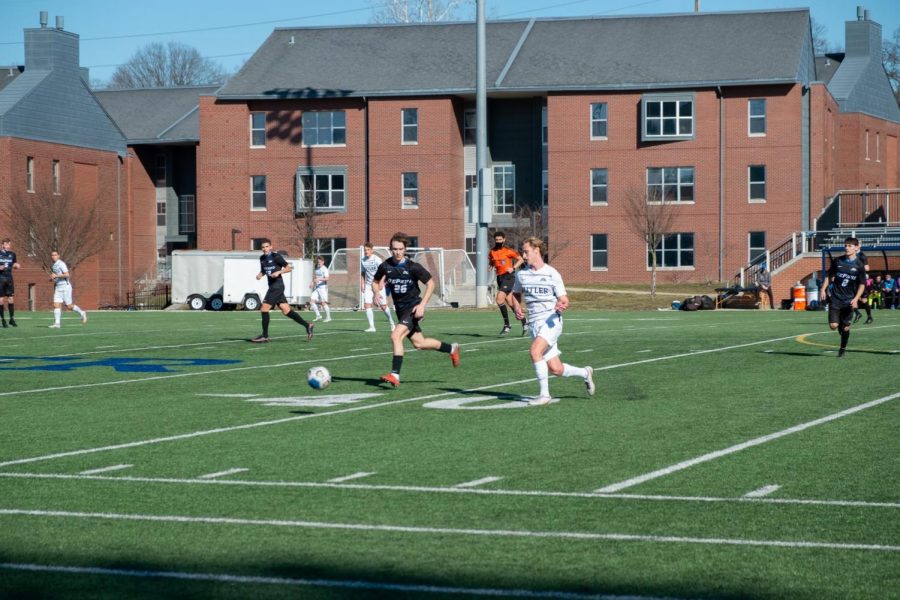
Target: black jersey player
x=272, y=266
x=845, y=284
x=7, y=287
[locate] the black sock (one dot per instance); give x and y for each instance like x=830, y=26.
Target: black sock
x=295, y=316
x=845, y=337
x=445, y=347
x=2, y=312
x=265, y=323
x=12, y=311
x=868, y=310
x=505, y=312
x=396, y=363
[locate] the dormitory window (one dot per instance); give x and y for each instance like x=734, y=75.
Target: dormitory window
x=187, y=214
x=469, y=127
x=599, y=184
x=322, y=189
x=756, y=108
x=258, y=192
x=877, y=147
x=258, y=130
x=324, y=128
x=867, y=144
x=756, y=240
x=410, y=190
x=675, y=250
x=598, y=120
x=599, y=252
x=667, y=117
x=410, y=125
x=161, y=174
x=160, y=214
x=29, y=173
x=670, y=184
x=756, y=180
x=504, y=189
x=327, y=247
x=55, y=176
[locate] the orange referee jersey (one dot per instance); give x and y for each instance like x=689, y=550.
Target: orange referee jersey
x=503, y=260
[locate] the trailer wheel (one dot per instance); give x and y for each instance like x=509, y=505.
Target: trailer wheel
x=196, y=302
x=216, y=303
x=251, y=302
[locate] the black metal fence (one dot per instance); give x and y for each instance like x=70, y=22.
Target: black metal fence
x=156, y=297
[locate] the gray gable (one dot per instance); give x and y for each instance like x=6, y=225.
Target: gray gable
x=7, y=74
x=544, y=54
x=156, y=115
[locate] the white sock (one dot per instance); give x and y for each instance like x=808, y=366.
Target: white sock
x=315, y=308
x=327, y=311
x=387, y=313
x=78, y=310
x=371, y=318
x=570, y=371
x=543, y=377
x=57, y=313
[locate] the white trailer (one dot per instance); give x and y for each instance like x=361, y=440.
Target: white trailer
x=210, y=279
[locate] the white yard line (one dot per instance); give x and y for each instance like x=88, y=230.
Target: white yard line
x=477, y=482
x=616, y=487
x=105, y=469
x=225, y=473
x=322, y=583
x=495, y=533
x=451, y=490
x=763, y=491
x=359, y=475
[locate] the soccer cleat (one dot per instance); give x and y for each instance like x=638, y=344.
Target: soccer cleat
x=328, y=320
x=393, y=327
x=505, y=330
x=4, y=324
x=454, y=354
x=391, y=379
x=318, y=318
x=84, y=318
x=524, y=329
x=370, y=330
x=841, y=352
x=857, y=316
x=309, y=332
x=540, y=401
x=54, y=326
x=12, y=323
x=868, y=321
x=589, y=381
x=260, y=339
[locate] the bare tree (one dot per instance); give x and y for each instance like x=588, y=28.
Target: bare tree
x=416, y=11
x=170, y=65
x=819, y=37
x=46, y=222
x=890, y=57
x=650, y=216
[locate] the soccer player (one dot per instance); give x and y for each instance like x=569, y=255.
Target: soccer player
x=62, y=291
x=7, y=286
x=542, y=289
x=402, y=276
x=505, y=261
x=319, y=287
x=845, y=283
x=369, y=264
x=864, y=299
x=272, y=266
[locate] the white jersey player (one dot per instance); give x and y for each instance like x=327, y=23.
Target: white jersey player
x=369, y=264
x=62, y=291
x=541, y=288
x=319, y=287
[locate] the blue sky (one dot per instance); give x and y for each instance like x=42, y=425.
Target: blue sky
x=229, y=31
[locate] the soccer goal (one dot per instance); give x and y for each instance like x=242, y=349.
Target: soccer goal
x=453, y=273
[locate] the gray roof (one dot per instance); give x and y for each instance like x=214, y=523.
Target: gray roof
x=827, y=65
x=8, y=73
x=636, y=52
x=156, y=115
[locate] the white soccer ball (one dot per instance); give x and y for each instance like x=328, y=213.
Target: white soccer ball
x=318, y=378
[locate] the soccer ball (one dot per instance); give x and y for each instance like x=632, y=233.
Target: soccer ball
x=318, y=378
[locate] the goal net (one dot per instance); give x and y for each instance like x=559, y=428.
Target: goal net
x=453, y=273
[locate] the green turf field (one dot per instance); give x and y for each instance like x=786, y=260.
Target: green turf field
x=725, y=455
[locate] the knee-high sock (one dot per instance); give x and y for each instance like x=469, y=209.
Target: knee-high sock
x=327, y=311
x=387, y=314
x=845, y=337
x=543, y=377
x=265, y=324
x=570, y=371
x=296, y=317
x=57, y=313
x=315, y=308
x=370, y=317
x=504, y=312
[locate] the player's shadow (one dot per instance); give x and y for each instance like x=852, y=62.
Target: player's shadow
x=830, y=353
x=368, y=381
x=504, y=396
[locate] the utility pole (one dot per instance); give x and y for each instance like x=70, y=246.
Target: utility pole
x=484, y=196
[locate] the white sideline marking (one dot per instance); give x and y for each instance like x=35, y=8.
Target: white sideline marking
x=349, y=477
x=477, y=482
x=105, y=347
x=184, y=436
x=455, y=490
x=222, y=473
x=326, y=583
x=514, y=533
x=105, y=469
x=742, y=446
x=763, y=491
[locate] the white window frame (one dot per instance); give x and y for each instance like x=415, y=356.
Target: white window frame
x=679, y=183
x=187, y=214
x=328, y=247
x=756, y=117
x=161, y=213
x=470, y=124
x=256, y=194
x=604, y=120
x=604, y=252
x=29, y=174
x=409, y=196
x=660, y=102
x=55, y=176
x=760, y=250
x=867, y=144
x=877, y=146
x=679, y=248
x=604, y=187
x=338, y=131
x=161, y=170
x=336, y=196
x=751, y=182
x=255, y=128
x=409, y=129
x=507, y=173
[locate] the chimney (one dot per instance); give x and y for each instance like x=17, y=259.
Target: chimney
x=863, y=36
x=43, y=19
x=59, y=22
x=51, y=49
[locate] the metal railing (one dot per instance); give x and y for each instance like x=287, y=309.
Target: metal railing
x=155, y=297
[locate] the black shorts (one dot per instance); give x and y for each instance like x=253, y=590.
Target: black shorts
x=406, y=318
x=7, y=288
x=506, y=282
x=840, y=314
x=275, y=297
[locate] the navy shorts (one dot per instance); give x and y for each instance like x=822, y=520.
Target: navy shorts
x=506, y=282
x=406, y=318
x=7, y=288
x=275, y=297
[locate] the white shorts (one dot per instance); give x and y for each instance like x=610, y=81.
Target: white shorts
x=319, y=295
x=369, y=296
x=549, y=329
x=63, y=295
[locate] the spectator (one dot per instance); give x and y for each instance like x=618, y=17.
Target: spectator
x=889, y=291
x=764, y=283
x=875, y=299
